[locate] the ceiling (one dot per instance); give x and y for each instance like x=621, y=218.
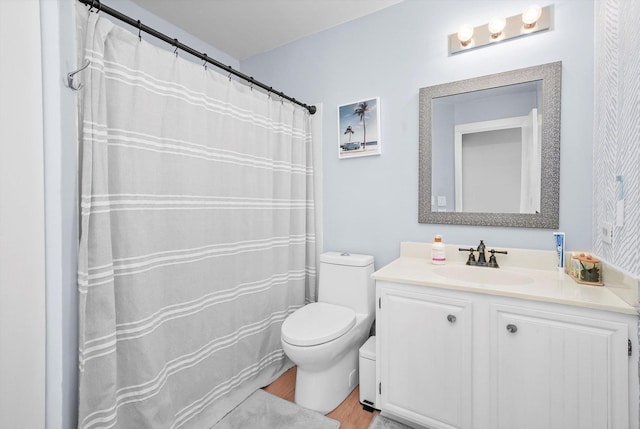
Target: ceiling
x=243, y=28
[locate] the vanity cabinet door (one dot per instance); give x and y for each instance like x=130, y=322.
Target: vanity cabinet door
x=424, y=359
x=557, y=371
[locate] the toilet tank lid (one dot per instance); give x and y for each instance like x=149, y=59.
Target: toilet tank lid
x=345, y=258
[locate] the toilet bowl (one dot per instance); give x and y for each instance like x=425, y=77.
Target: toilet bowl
x=323, y=338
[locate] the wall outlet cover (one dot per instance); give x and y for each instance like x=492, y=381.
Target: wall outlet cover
x=606, y=232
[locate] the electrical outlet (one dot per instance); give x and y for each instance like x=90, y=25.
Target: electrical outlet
x=606, y=232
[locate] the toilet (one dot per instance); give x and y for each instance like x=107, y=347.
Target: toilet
x=323, y=338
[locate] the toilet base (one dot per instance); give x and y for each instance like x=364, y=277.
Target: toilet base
x=323, y=391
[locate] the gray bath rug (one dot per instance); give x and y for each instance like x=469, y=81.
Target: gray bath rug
x=263, y=410
x=380, y=422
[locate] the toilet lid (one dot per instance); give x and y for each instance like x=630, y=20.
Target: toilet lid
x=317, y=323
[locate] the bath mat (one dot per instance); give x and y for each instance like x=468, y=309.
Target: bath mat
x=380, y=422
x=263, y=410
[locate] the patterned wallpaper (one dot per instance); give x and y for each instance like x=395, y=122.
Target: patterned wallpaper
x=616, y=147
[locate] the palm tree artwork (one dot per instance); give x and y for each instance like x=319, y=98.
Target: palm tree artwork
x=349, y=131
x=360, y=121
x=361, y=111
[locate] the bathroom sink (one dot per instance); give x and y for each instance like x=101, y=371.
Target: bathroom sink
x=489, y=276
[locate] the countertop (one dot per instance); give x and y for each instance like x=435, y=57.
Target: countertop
x=547, y=285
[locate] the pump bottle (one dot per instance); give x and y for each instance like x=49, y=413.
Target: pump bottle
x=438, y=253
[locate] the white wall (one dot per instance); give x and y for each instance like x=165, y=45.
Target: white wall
x=498, y=152
x=22, y=253
x=371, y=203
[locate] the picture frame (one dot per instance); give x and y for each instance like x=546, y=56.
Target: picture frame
x=359, y=128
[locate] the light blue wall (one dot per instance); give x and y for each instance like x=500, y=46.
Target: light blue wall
x=371, y=203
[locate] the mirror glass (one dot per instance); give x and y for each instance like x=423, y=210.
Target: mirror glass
x=490, y=148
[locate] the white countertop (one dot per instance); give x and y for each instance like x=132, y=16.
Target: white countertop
x=546, y=285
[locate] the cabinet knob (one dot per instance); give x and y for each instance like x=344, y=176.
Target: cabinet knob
x=512, y=328
x=451, y=318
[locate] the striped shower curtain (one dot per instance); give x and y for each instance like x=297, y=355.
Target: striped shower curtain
x=197, y=234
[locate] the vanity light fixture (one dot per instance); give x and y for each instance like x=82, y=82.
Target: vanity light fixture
x=531, y=16
x=532, y=20
x=465, y=35
x=495, y=26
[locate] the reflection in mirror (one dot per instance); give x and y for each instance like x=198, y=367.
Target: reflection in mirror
x=495, y=130
x=489, y=149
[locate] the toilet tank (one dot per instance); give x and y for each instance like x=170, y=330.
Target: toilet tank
x=345, y=279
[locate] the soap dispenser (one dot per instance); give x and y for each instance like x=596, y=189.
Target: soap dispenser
x=438, y=253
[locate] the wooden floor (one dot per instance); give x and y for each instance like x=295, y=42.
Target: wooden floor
x=349, y=413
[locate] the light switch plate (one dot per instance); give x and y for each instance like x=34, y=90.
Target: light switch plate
x=442, y=201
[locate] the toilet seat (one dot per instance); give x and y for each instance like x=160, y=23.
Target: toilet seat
x=317, y=323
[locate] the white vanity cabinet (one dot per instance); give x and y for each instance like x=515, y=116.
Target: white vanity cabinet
x=557, y=370
x=425, y=366
x=457, y=359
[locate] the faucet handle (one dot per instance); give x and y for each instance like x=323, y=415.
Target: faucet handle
x=493, y=263
x=472, y=257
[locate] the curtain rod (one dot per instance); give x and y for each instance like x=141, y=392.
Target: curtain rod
x=176, y=44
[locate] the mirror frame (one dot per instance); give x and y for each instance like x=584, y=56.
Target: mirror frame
x=551, y=77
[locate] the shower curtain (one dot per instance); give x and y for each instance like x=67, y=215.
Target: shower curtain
x=197, y=234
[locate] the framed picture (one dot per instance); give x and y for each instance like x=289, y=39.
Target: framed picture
x=359, y=128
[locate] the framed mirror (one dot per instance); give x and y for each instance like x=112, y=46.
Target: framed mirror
x=490, y=150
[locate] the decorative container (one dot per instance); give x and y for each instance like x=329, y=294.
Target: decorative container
x=586, y=269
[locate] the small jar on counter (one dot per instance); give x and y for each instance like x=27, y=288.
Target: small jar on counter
x=586, y=268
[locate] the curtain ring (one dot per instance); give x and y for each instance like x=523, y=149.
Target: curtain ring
x=251, y=85
x=175, y=44
x=139, y=30
x=205, y=61
x=269, y=93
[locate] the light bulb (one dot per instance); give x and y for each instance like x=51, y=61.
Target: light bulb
x=465, y=34
x=531, y=16
x=496, y=25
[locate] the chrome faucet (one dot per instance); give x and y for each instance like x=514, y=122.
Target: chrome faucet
x=482, y=258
